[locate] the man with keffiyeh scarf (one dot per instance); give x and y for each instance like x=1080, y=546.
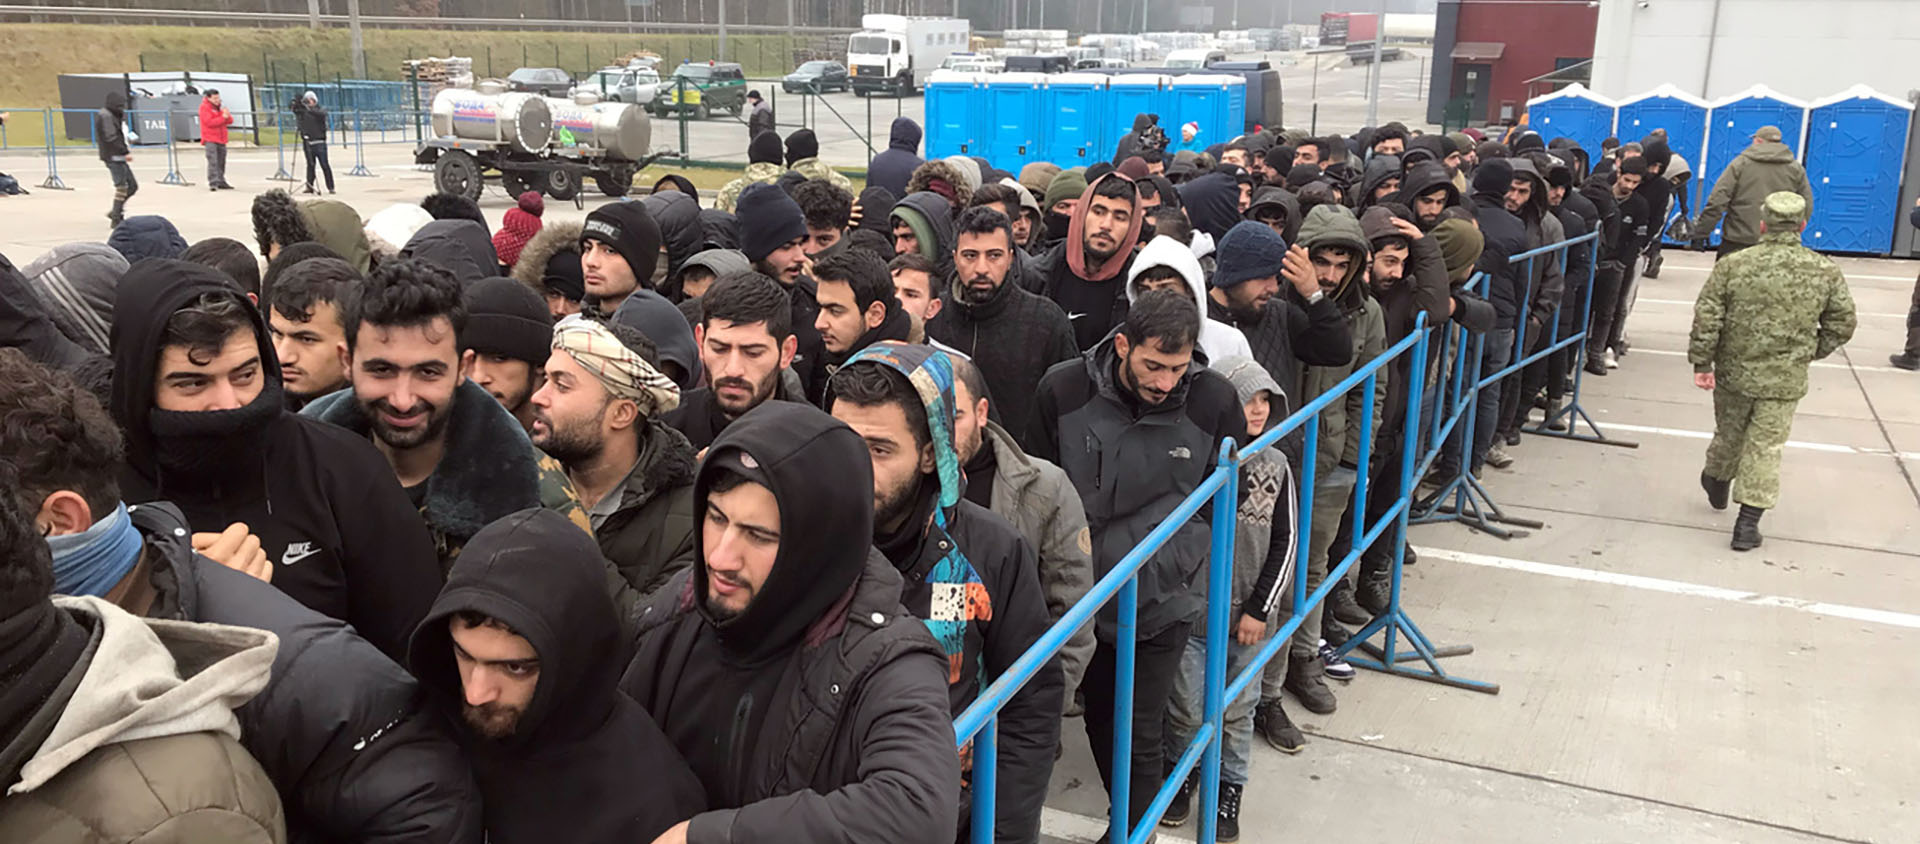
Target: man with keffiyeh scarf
x=969, y=574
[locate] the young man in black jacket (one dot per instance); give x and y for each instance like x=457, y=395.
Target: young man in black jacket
x=338, y=727
x=773, y=236
x=110, y=135
x=746, y=346
x=1619, y=255
x=1137, y=425
x=970, y=576
x=198, y=392
x=522, y=655
x=1086, y=274
x=1286, y=335
x=311, y=118
x=781, y=665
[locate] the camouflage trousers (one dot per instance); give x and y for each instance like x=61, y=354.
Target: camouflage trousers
x=1749, y=435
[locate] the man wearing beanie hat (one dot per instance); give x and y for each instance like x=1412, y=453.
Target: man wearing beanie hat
x=519, y=225
x=1057, y=206
x=763, y=168
x=1037, y=176
x=508, y=329
x=1761, y=170
x=550, y=265
x=1285, y=331
x=619, y=246
x=773, y=236
x=1763, y=314
x=803, y=157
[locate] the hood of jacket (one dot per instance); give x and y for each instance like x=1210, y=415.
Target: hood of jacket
x=149, y=678
x=116, y=102
x=147, y=236
x=721, y=262
x=461, y=247
x=905, y=135
x=541, y=575
x=660, y=320
x=335, y=225
x=555, y=237
x=1274, y=196
x=1103, y=369
x=1334, y=225
x=77, y=283
x=25, y=325
x=793, y=449
x=929, y=213
x=930, y=372
x=938, y=173
x=1077, y=232
x=721, y=228
x=1423, y=179
x=1768, y=152
x=1212, y=202
x=678, y=216
x=1164, y=251
x=149, y=295
x=1537, y=205
x=1379, y=169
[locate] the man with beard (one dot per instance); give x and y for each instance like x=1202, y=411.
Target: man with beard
x=1504, y=235
x=461, y=457
x=1012, y=335
x=197, y=391
x=521, y=653
x=600, y=414
x=826, y=207
x=858, y=306
x=1577, y=217
x=1428, y=192
x=1085, y=273
x=773, y=236
x=619, y=246
x=304, y=314
x=1617, y=261
x=1136, y=424
x=1285, y=332
x=899, y=398
x=782, y=666
x=746, y=344
x=1311, y=151
x=508, y=329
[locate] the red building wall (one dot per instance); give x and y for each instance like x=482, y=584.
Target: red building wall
x=1535, y=34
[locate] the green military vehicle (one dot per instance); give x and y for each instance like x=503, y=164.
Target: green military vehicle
x=701, y=89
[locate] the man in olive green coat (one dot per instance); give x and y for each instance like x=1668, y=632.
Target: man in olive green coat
x=1765, y=168
x=1763, y=316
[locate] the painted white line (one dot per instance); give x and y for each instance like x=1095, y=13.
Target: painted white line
x=1819, y=364
x=1646, y=301
x=1828, y=448
x=1850, y=276
x=1676, y=587
x=1070, y=826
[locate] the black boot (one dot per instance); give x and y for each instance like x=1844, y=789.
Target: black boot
x=1182, y=804
x=1226, y=825
x=1746, y=534
x=1272, y=723
x=1716, y=490
x=1905, y=360
x=1653, y=266
x=1307, y=680
x=1341, y=605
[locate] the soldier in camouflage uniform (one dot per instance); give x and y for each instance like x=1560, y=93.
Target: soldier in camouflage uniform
x=763, y=167
x=1763, y=316
x=803, y=157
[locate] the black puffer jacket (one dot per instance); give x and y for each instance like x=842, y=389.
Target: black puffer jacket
x=678, y=216
x=1134, y=463
x=339, y=728
x=1505, y=237
x=461, y=247
x=25, y=325
x=1014, y=338
x=312, y=120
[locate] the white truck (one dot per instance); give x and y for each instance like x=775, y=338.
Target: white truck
x=896, y=53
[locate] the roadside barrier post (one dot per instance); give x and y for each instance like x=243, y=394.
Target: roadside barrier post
x=359, y=145
x=280, y=173
x=173, y=176
x=53, y=181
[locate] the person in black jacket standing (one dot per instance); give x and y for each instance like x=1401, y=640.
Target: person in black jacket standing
x=899, y=398
x=1619, y=252
x=1505, y=236
x=1086, y=274
x=773, y=236
x=1136, y=424
x=338, y=727
x=311, y=118
x=746, y=345
x=198, y=392
x=809, y=703
x=110, y=135
x=1287, y=333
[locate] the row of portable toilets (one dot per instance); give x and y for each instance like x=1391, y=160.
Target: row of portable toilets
x=1853, y=145
x=1072, y=119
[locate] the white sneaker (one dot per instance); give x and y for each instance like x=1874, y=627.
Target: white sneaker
x=1611, y=360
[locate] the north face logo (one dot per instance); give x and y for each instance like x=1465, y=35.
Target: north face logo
x=1180, y=453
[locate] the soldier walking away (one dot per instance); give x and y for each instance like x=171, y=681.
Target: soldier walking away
x=214, y=120
x=1764, y=315
x=1761, y=170
x=1910, y=358
x=311, y=118
x=110, y=134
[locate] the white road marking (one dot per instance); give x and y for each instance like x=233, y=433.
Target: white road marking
x=1819, y=364
x=1849, y=275
x=1646, y=301
x=1828, y=448
x=1676, y=587
x=1071, y=826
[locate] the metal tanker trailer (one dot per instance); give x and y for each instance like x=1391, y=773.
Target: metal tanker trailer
x=523, y=122
x=534, y=143
x=621, y=130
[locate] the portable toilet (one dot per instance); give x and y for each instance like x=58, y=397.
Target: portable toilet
x=1573, y=112
x=1215, y=101
x=1856, y=147
x=1014, y=125
x=954, y=104
x=1077, y=120
x=1684, y=116
x=1133, y=94
x=1730, y=128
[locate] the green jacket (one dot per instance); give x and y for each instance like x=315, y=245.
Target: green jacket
x=1761, y=169
x=758, y=173
x=814, y=168
x=1767, y=312
x=1340, y=434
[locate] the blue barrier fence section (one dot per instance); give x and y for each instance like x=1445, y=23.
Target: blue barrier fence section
x=351, y=129
x=1442, y=384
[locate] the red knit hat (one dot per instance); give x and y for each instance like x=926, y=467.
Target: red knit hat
x=518, y=227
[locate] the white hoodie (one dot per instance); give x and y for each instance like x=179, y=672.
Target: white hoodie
x=1218, y=340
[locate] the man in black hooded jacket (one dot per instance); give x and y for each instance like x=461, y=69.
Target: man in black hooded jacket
x=894, y=166
x=197, y=389
x=521, y=653
x=1428, y=192
x=810, y=705
x=110, y=134
x=678, y=216
x=1505, y=236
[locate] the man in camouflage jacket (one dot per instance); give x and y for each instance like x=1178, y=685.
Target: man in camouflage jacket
x=763, y=167
x=1763, y=316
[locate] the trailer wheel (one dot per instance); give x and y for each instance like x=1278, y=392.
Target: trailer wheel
x=617, y=181
x=457, y=173
x=561, y=184
x=515, y=183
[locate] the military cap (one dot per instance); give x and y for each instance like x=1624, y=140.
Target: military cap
x=1784, y=209
x=1768, y=133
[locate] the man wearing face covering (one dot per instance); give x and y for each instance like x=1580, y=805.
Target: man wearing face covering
x=1085, y=274
x=197, y=389
x=521, y=652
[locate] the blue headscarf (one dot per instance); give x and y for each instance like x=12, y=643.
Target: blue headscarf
x=93, y=561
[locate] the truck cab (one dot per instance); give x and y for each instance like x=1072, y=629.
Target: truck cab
x=897, y=53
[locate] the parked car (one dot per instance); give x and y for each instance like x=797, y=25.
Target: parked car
x=1194, y=58
x=623, y=84
x=707, y=87
x=545, y=81
x=817, y=76
x=1098, y=63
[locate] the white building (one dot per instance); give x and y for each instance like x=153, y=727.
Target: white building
x=1712, y=48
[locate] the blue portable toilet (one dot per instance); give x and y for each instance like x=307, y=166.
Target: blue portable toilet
x=955, y=106
x=1078, y=120
x=1013, y=120
x=1573, y=112
x=1856, y=148
x=1131, y=94
x=1684, y=116
x=1730, y=128
x=1217, y=102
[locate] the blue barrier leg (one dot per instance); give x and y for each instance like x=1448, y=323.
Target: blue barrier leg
x=359, y=146
x=986, y=773
x=53, y=181
x=1462, y=498
x=1574, y=413
x=173, y=176
x=1124, y=640
x=1226, y=509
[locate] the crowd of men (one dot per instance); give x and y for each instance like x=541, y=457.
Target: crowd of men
x=684, y=523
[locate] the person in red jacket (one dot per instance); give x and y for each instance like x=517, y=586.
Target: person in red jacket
x=214, y=120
